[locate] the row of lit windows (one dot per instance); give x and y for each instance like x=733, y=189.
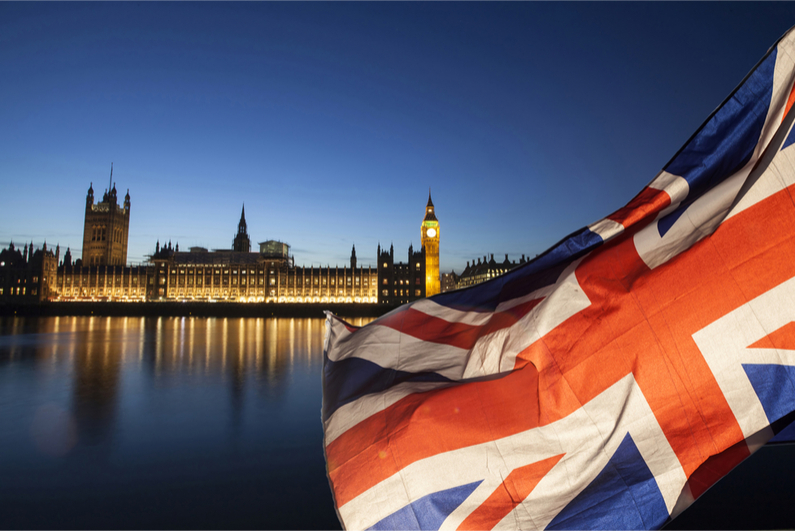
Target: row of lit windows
x=226, y=295
x=101, y=291
x=401, y=282
x=406, y=293
x=401, y=266
x=294, y=276
x=15, y=291
x=201, y=269
x=85, y=281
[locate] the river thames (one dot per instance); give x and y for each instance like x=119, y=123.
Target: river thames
x=212, y=423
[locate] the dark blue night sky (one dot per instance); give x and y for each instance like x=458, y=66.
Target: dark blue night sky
x=331, y=120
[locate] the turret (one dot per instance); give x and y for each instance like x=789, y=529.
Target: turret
x=353, y=258
x=127, y=200
x=90, y=196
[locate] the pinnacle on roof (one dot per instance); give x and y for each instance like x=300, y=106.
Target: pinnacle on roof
x=241, y=227
x=429, y=215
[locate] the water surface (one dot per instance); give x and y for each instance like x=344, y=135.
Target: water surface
x=109, y=422
x=205, y=423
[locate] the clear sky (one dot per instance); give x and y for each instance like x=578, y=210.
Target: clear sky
x=331, y=120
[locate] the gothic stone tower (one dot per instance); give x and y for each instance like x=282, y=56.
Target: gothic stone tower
x=106, y=228
x=430, y=242
x=242, y=243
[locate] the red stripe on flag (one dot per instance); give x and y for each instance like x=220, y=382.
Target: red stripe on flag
x=647, y=203
x=783, y=338
x=640, y=321
x=436, y=330
x=426, y=424
x=516, y=487
x=433, y=329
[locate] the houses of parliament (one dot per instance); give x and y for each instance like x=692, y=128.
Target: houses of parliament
x=236, y=274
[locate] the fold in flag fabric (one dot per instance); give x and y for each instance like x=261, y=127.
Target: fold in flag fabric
x=609, y=382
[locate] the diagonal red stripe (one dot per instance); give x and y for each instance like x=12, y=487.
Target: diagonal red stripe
x=648, y=202
x=436, y=330
x=783, y=338
x=516, y=487
x=426, y=424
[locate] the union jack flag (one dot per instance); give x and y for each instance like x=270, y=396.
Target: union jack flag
x=609, y=382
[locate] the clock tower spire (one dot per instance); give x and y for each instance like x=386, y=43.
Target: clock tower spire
x=430, y=242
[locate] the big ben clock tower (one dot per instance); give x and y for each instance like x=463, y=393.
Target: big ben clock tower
x=430, y=241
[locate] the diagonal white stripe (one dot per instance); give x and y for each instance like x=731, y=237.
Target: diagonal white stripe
x=588, y=437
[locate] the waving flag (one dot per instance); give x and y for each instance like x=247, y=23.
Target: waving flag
x=609, y=382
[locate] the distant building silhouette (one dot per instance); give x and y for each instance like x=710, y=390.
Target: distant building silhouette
x=486, y=270
x=449, y=281
x=106, y=228
x=28, y=276
x=398, y=282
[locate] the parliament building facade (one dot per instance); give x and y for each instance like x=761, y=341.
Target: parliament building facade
x=198, y=274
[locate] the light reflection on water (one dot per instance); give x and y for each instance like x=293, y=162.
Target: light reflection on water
x=212, y=423
x=128, y=422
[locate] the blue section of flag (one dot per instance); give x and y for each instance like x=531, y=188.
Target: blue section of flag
x=352, y=378
x=541, y=272
x=774, y=386
x=727, y=141
x=429, y=511
x=784, y=428
x=623, y=496
x=666, y=222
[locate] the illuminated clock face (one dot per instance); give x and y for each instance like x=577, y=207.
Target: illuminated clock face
x=431, y=232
